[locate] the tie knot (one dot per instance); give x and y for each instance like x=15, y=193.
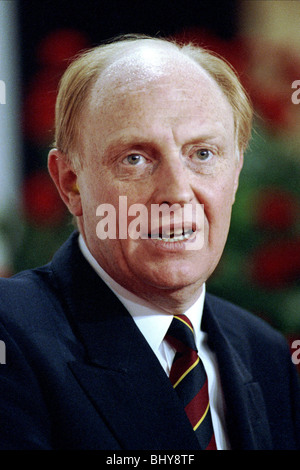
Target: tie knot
x=181, y=334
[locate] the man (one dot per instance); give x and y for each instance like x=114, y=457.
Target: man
x=90, y=356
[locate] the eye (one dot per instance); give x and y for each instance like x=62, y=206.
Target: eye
x=202, y=155
x=134, y=159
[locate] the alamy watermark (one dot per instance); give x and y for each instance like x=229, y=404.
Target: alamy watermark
x=2, y=92
x=296, y=353
x=296, y=95
x=2, y=352
x=182, y=224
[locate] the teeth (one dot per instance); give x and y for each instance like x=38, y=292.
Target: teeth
x=178, y=238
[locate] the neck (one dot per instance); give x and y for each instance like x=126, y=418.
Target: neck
x=175, y=302
x=172, y=301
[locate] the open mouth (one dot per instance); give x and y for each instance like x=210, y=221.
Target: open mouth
x=172, y=236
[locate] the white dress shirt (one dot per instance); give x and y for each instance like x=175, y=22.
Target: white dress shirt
x=154, y=323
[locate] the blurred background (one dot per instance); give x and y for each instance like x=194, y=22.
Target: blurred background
x=260, y=269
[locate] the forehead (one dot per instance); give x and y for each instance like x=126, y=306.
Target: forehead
x=146, y=69
x=150, y=86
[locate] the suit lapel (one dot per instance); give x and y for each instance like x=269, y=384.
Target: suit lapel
x=119, y=373
x=137, y=401
x=246, y=417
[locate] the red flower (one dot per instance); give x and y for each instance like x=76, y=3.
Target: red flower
x=56, y=49
x=53, y=53
x=276, y=209
x=39, y=108
x=41, y=201
x=277, y=264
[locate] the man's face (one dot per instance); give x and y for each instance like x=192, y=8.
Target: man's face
x=161, y=135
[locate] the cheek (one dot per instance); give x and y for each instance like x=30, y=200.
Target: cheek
x=225, y=189
x=217, y=202
x=223, y=202
x=96, y=189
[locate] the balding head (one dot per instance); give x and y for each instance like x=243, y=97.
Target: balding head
x=130, y=61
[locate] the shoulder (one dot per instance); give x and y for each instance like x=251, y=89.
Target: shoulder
x=33, y=293
x=28, y=298
x=24, y=284
x=256, y=343
x=242, y=326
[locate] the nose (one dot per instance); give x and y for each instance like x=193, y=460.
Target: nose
x=173, y=184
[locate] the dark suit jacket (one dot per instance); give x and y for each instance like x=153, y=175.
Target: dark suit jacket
x=80, y=375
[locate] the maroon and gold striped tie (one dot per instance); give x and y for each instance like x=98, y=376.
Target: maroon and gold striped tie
x=189, y=379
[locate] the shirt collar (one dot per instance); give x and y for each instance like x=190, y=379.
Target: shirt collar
x=151, y=321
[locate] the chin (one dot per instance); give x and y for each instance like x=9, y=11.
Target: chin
x=173, y=280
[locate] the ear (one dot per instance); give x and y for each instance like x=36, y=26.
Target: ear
x=238, y=169
x=65, y=179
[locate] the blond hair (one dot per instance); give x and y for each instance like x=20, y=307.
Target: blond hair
x=83, y=72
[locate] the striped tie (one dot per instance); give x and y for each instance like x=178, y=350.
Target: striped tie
x=189, y=379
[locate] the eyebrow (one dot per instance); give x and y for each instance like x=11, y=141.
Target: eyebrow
x=140, y=142
x=123, y=143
